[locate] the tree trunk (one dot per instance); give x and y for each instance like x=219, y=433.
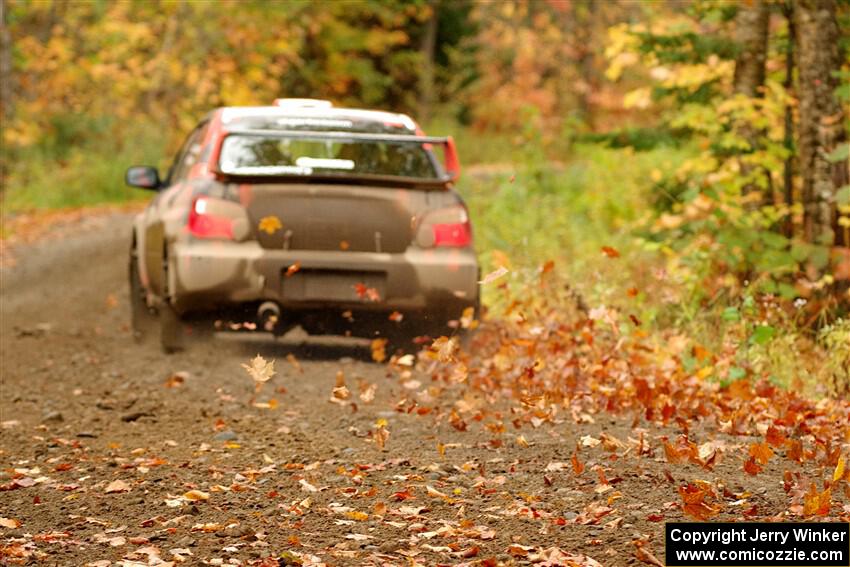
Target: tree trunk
x=6, y=92
x=426, y=78
x=821, y=127
x=5, y=64
x=582, y=29
x=788, y=84
x=751, y=37
x=751, y=25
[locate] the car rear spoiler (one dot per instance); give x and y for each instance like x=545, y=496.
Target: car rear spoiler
x=451, y=163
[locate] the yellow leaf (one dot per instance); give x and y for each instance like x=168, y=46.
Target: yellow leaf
x=359, y=516
x=839, y=469
x=705, y=372
x=10, y=523
x=196, y=495
x=379, y=353
x=270, y=224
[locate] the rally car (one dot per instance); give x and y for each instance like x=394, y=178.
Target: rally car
x=343, y=221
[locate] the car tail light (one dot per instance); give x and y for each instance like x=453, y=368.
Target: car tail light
x=217, y=219
x=452, y=162
x=447, y=227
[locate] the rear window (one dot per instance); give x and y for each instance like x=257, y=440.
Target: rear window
x=274, y=155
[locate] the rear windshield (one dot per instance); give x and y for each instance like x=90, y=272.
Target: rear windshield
x=274, y=155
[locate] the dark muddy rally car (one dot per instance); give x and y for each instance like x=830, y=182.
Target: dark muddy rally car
x=342, y=221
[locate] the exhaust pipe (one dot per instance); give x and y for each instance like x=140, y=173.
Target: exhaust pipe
x=269, y=315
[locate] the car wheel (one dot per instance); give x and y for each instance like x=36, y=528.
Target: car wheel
x=141, y=316
x=401, y=338
x=170, y=329
x=170, y=323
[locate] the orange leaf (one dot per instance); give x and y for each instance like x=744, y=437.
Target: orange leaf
x=292, y=269
x=795, y=450
x=817, y=503
x=695, y=505
x=379, y=352
x=578, y=466
x=761, y=452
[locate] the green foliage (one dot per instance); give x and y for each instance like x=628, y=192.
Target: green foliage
x=530, y=211
x=721, y=214
x=641, y=139
x=57, y=175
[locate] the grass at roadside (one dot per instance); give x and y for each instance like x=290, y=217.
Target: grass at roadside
x=84, y=174
x=568, y=212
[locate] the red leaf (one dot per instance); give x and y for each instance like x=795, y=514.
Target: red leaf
x=751, y=467
x=610, y=252
x=775, y=437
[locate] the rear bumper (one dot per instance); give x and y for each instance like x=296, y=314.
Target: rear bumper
x=216, y=274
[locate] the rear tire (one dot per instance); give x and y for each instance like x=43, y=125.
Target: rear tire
x=170, y=329
x=401, y=342
x=170, y=324
x=142, y=319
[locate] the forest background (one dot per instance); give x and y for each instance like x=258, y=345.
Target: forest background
x=682, y=164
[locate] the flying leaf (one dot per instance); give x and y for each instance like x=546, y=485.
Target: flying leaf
x=751, y=467
x=292, y=269
x=578, y=466
x=444, y=348
x=260, y=370
x=839, y=470
x=367, y=392
x=379, y=353
x=817, y=503
x=494, y=275
x=610, y=252
x=176, y=380
x=761, y=452
x=294, y=362
x=381, y=434
x=775, y=437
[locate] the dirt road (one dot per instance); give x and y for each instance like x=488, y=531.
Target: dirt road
x=113, y=453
